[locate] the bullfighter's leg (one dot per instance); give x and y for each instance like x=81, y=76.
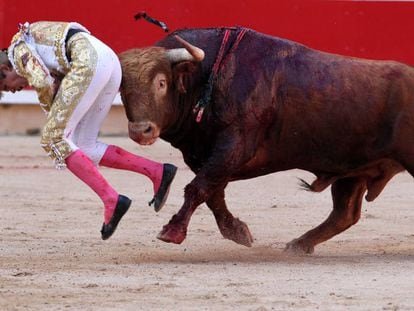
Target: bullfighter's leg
x=230, y=227
x=347, y=197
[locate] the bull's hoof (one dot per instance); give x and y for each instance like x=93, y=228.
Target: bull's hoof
x=172, y=234
x=237, y=231
x=300, y=247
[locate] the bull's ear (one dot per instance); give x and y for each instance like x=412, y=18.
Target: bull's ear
x=185, y=67
x=182, y=70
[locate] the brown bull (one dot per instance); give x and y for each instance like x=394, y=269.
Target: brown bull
x=275, y=105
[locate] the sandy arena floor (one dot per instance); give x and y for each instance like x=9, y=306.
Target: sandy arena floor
x=52, y=257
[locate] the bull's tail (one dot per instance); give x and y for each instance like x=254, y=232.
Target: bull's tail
x=304, y=185
x=320, y=184
x=148, y=18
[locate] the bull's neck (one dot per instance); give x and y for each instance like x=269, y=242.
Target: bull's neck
x=182, y=119
x=182, y=125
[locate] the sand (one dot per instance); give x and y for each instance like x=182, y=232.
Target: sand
x=52, y=256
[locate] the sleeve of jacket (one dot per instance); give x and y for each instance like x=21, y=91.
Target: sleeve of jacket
x=33, y=69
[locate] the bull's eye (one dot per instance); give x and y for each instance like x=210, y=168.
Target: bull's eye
x=160, y=84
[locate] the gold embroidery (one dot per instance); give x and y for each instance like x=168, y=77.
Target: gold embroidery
x=60, y=49
x=73, y=87
x=53, y=34
x=38, y=76
x=46, y=32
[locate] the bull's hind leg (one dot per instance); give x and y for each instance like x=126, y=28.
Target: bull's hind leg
x=230, y=227
x=347, y=197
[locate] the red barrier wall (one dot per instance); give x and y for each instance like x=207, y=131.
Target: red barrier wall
x=371, y=29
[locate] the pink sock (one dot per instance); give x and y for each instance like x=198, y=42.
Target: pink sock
x=83, y=168
x=119, y=158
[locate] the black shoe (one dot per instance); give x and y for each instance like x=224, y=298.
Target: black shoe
x=121, y=208
x=160, y=197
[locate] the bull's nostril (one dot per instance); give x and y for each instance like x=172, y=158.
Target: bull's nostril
x=148, y=130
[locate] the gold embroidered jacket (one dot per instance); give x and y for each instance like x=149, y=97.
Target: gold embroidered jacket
x=39, y=49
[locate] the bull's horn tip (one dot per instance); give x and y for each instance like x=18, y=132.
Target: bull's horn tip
x=197, y=53
x=201, y=54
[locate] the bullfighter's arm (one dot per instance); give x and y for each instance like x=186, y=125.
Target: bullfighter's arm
x=31, y=67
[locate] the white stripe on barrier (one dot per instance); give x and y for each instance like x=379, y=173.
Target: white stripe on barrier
x=29, y=97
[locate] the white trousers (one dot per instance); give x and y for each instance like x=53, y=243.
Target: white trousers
x=82, y=129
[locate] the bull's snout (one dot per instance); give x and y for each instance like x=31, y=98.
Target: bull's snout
x=144, y=133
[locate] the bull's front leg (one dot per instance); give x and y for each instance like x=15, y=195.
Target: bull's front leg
x=176, y=230
x=230, y=227
x=224, y=160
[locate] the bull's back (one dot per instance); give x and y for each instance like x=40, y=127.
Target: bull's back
x=315, y=105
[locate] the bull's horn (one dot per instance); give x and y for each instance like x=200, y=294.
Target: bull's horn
x=189, y=53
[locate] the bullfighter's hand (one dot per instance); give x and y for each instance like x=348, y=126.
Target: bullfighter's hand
x=58, y=77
